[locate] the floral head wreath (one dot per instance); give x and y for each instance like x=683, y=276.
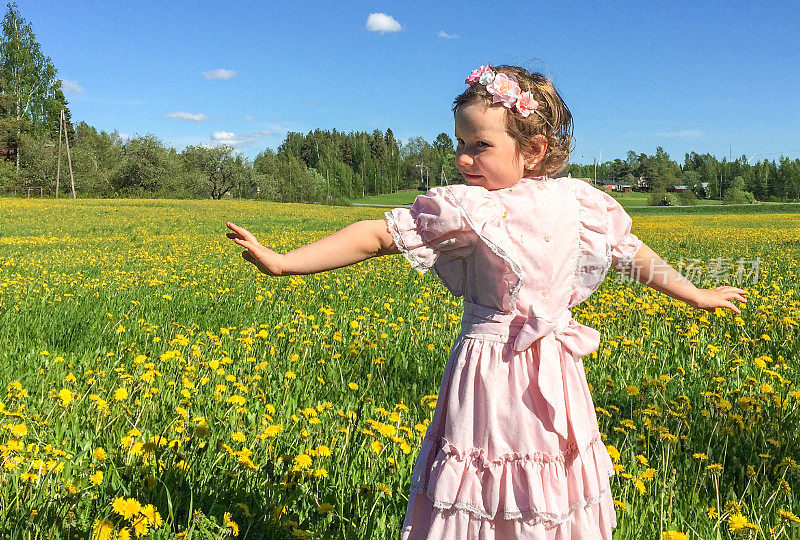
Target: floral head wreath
x=504, y=89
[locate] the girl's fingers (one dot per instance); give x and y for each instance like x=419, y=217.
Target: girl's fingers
x=733, y=308
x=241, y=231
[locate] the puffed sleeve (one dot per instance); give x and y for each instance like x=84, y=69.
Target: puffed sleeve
x=604, y=239
x=435, y=224
x=623, y=243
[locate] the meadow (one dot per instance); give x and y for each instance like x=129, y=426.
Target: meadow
x=153, y=385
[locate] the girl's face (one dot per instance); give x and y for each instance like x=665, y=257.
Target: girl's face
x=486, y=154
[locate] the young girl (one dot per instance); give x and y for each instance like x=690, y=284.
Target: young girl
x=514, y=449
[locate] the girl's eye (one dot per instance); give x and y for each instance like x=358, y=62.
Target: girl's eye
x=482, y=144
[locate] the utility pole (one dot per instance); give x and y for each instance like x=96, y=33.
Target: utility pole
x=62, y=127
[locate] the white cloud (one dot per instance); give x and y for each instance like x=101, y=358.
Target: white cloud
x=445, y=35
x=219, y=74
x=682, y=134
x=71, y=87
x=124, y=137
x=249, y=119
x=189, y=117
x=232, y=139
x=381, y=22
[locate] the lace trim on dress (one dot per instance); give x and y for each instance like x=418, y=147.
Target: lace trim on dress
x=534, y=515
x=478, y=458
x=630, y=254
x=497, y=250
x=398, y=240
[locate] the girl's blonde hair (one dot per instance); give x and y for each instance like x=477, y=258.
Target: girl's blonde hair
x=551, y=118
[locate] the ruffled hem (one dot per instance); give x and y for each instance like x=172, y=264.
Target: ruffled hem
x=478, y=455
x=425, y=520
x=529, y=485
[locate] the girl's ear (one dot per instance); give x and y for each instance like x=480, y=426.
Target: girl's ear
x=535, y=154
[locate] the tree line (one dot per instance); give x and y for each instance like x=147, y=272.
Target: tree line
x=320, y=166
x=703, y=175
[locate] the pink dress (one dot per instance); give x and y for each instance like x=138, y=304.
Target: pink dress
x=514, y=449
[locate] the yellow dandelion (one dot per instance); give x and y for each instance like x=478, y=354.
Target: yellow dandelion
x=303, y=461
x=613, y=452
x=65, y=396
x=237, y=400
x=97, y=478
x=648, y=474
x=19, y=430
x=140, y=526
x=99, y=453
x=120, y=394
x=151, y=514
x=352, y=386
x=788, y=516
x=127, y=508
x=712, y=512
x=102, y=530
x=227, y=520
x=737, y=522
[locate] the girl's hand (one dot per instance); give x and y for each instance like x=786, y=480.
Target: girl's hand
x=719, y=297
x=265, y=259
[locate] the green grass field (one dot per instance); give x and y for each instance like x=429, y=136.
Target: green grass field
x=635, y=203
x=153, y=385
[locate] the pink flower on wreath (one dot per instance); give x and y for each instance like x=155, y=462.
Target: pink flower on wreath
x=526, y=104
x=476, y=74
x=504, y=89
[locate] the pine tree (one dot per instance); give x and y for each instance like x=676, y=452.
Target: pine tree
x=29, y=78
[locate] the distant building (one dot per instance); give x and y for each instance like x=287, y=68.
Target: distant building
x=618, y=187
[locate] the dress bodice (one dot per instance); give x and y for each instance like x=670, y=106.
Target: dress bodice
x=541, y=246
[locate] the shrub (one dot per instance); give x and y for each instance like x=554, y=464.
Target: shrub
x=738, y=196
x=662, y=198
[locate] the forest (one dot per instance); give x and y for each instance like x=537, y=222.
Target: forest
x=321, y=166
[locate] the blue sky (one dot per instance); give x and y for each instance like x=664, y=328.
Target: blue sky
x=709, y=77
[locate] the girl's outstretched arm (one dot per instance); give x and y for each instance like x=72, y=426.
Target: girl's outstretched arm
x=650, y=269
x=354, y=243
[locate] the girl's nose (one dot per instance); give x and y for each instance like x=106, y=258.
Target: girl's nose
x=465, y=159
